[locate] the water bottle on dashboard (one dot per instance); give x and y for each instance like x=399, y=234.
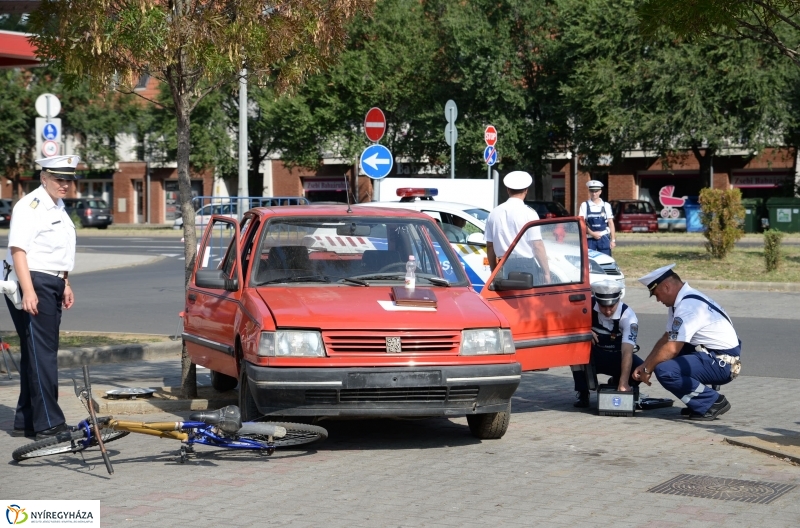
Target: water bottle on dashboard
x=411, y=278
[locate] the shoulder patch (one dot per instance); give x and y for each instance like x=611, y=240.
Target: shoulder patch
x=676, y=326
x=34, y=203
x=634, y=332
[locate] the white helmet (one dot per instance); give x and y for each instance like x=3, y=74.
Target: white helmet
x=607, y=292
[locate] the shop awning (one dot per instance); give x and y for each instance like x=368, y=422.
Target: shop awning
x=16, y=51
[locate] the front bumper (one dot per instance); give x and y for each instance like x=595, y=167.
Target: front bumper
x=409, y=391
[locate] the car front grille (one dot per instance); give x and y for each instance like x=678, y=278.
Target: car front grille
x=611, y=269
x=354, y=343
x=392, y=395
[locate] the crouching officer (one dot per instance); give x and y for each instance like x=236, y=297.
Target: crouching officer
x=614, y=331
x=699, y=349
x=41, y=253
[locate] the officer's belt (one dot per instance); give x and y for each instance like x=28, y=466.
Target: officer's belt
x=59, y=274
x=724, y=359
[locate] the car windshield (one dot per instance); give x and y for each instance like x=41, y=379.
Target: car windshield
x=480, y=214
x=353, y=250
x=637, y=208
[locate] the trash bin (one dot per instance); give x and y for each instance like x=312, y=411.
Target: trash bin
x=693, y=222
x=784, y=214
x=754, y=211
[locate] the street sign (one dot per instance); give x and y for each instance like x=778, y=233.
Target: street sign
x=47, y=105
x=451, y=134
x=50, y=149
x=50, y=132
x=376, y=161
x=490, y=135
x=450, y=111
x=490, y=155
x=375, y=124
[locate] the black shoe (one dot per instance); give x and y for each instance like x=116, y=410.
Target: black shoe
x=686, y=411
x=27, y=433
x=582, y=401
x=53, y=431
x=721, y=406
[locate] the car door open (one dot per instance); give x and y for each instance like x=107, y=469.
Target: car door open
x=550, y=319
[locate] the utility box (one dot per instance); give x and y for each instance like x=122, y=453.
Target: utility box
x=784, y=214
x=754, y=210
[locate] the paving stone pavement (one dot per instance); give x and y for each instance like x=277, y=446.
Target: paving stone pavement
x=555, y=467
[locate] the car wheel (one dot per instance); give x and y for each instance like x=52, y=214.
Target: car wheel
x=223, y=382
x=489, y=426
x=247, y=404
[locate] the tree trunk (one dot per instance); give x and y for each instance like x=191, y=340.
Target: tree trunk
x=179, y=95
x=705, y=163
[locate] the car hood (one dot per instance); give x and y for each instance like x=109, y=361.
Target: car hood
x=357, y=307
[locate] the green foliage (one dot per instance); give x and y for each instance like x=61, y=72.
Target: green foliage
x=722, y=215
x=772, y=249
x=76, y=219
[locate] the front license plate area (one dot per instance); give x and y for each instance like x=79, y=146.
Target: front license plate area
x=376, y=380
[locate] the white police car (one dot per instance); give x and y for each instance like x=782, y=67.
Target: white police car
x=468, y=239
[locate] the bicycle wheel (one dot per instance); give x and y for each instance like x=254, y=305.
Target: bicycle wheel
x=296, y=434
x=60, y=443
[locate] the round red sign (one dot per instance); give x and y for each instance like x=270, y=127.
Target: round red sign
x=490, y=135
x=375, y=124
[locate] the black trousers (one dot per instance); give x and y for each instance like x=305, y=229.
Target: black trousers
x=608, y=363
x=37, y=407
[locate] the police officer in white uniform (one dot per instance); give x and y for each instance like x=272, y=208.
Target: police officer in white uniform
x=615, y=328
x=508, y=219
x=600, y=235
x=41, y=253
x=699, y=349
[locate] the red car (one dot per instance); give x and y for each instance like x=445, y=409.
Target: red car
x=635, y=216
x=301, y=306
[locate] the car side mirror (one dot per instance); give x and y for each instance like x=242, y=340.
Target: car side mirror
x=216, y=280
x=476, y=238
x=517, y=280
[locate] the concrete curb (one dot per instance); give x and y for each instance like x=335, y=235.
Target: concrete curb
x=733, y=285
x=786, y=448
x=164, y=400
x=75, y=357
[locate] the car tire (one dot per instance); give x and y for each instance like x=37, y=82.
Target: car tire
x=223, y=382
x=489, y=426
x=247, y=404
x=105, y=226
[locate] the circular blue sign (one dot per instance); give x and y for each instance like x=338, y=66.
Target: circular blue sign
x=490, y=155
x=376, y=161
x=50, y=132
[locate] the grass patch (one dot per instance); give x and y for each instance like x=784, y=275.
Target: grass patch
x=742, y=264
x=80, y=340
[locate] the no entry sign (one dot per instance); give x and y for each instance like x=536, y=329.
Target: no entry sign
x=490, y=135
x=375, y=124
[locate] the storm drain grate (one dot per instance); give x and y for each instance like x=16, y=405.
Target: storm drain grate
x=723, y=489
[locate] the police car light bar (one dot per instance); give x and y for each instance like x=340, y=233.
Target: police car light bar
x=411, y=192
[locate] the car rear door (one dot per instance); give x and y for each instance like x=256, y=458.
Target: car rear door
x=551, y=322
x=211, y=309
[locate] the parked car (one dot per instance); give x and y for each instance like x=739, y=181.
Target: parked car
x=546, y=209
x=6, y=207
x=469, y=241
x=229, y=207
x=636, y=216
x=91, y=211
x=301, y=307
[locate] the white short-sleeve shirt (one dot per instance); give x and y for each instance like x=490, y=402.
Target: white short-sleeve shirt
x=628, y=322
x=693, y=321
x=44, y=230
x=504, y=224
x=596, y=209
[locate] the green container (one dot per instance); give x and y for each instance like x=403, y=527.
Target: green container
x=754, y=211
x=784, y=214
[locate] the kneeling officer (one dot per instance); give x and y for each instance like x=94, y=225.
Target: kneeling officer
x=614, y=331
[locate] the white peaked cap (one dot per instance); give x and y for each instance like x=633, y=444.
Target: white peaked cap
x=63, y=166
x=655, y=277
x=607, y=292
x=594, y=184
x=518, y=180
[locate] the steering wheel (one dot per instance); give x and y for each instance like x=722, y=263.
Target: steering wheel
x=394, y=266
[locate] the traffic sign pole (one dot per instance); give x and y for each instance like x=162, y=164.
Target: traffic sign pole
x=451, y=114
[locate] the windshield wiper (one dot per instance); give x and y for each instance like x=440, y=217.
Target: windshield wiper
x=436, y=280
x=380, y=276
x=300, y=278
x=354, y=281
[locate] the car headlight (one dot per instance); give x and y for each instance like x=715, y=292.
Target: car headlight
x=291, y=343
x=484, y=341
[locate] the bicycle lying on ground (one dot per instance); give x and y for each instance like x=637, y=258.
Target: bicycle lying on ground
x=222, y=428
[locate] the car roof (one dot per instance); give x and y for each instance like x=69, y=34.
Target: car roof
x=337, y=210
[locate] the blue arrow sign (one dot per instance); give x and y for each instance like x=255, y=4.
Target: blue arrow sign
x=376, y=161
x=490, y=155
x=50, y=132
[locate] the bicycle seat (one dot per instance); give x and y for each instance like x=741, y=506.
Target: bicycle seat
x=229, y=418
